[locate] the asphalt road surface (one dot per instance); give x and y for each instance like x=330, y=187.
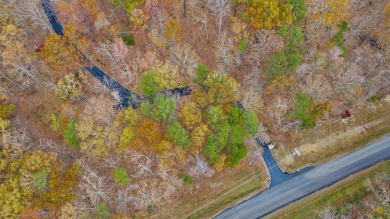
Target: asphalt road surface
x=309, y=182
x=277, y=175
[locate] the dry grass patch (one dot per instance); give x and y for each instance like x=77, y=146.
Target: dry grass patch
x=328, y=141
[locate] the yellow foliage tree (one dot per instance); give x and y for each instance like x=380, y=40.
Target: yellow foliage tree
x=190, y=115
x=167, y=76
x=222, y=90
x=138, y=18
x=96, y=140
x=198, y=137
x=269, y=13
x=330, y=12
x=172, y=28
x=90, y=6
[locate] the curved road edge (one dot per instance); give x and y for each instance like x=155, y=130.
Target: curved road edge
x=309, y=182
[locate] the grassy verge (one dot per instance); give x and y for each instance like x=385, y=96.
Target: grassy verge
x=346, y=191
x=222, y=190
x=345, y=146
x=235, y=194
x=219, y=192
x=334, y=139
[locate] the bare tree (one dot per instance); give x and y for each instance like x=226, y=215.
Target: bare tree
x=143, y=164
x=202, y=19
x=378, y=82
x=347, y=76
x=109, y=161
x=315, y=84
x=251, y=98
x=121, y=59
x=19, y=139
x=173, y=181
x=32, y=9
x=160, y=19
x=96, y=86
x=225, y=53
x=365, y=24
x=122, y=199
x=199, y=167
x=93, y=185
x=185, y=58
x=101, y=21
x=265, y=43
x=220, y=8
x=149, y=193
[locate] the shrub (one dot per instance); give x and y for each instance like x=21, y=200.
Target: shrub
x=187, y=180
x=55, y=122
x=303, y=111
x=243, y=45
x=5, y=110
x=201, y=74
x=346, y=114
x=128, y=39
x=40, y=179
x=338, y=39
x=373, y=98
x=101, y=210
x=120, y=176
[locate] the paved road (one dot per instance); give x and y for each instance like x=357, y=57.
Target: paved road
x=277, y=175
x=313, y=180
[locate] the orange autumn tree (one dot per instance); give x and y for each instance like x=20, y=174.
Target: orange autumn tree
x=60, y=52
x=147, y=136
x=32, y=212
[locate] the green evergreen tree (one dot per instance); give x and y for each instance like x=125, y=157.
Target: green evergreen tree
x=238, y=152
x=70, y=134
x=252, y=122
x=163, y=109
x=201, y=74
x=179, y=135
x=148, y=85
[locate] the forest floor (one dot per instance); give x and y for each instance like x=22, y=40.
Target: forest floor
x=346, y=191
x=221, y=191
x=334, y=139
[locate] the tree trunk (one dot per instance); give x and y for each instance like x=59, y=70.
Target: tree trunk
x=185, y=8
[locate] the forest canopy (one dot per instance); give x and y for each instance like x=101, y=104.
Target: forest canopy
x=138, y=104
